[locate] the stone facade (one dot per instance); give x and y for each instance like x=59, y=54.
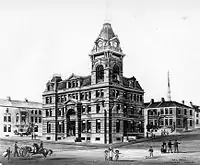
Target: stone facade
x=18, y=116
x=104, y=107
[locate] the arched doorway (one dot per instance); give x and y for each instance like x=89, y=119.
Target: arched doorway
x=71, y=122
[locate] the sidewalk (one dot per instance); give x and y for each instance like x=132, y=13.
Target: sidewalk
x=28, y=139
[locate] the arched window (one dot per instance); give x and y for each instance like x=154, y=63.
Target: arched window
x=99, y=73
x=17, y=117
x=4, y=128
x=48, y=127
x=5, y=117
x=9, y=128
x=115, y=73
x=9, y=117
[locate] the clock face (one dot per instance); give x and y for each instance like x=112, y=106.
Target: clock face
x=115, y=44
x=100, y=44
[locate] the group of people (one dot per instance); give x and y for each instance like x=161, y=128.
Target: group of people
x=109, y=154
x=164, y=133
x=8, y=152
x=167, y=147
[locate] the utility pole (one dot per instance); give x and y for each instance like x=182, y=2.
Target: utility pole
x=56, y=111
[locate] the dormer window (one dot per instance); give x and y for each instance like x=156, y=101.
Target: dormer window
x=48, y=88
x=73, y=84
x=69, y=84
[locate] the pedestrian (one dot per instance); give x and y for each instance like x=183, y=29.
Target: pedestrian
x=151, y=151
x=147, y=134
x=110, y=150
x=106, y=155
x=164, y=147
x=176, y=143
x=164, y=132
x=8, y=153
x=117, y=154
x=16, y=150
x=170, y=146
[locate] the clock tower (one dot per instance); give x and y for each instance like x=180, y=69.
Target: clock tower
x=107, y=58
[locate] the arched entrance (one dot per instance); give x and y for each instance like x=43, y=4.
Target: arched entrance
x=71, y=122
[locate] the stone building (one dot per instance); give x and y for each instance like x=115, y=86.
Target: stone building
x=18, y=116
x=168, y=115
x=104, y=107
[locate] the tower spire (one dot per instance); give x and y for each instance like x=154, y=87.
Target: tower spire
x=169, y=88
x=107, y=11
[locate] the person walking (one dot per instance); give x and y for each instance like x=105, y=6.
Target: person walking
x=150, y=151
x=176, y=143
x=164, y=147
x=16, y=150
x=170, y=146
x=106, y=155
x=110, y=150
x=117, y=154
x=8, y=153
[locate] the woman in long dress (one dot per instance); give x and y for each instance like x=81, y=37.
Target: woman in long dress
x=110, y=150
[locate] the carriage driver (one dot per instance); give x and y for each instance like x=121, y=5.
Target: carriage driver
x=41, y=145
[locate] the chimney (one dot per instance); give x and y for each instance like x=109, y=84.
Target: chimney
x=26, y=100
x=8, y=98
x=152, y=101
x=183, y=102
x=191, y=103
x=162, y=99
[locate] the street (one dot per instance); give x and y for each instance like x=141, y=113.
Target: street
x=130, y=155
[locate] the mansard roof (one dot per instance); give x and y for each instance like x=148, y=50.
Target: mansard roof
x=86, y=81
x=131, y=82
x=163, y=104
x=73, y=76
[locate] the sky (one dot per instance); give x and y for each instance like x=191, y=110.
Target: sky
x=44, y=37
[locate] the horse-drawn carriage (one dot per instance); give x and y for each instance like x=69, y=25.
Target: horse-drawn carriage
x=28, y=151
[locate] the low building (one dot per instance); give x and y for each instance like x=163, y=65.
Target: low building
x=168, y=115
x=20, y=117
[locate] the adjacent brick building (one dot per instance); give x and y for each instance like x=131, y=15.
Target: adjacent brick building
x=168, y=115
x=104, y=107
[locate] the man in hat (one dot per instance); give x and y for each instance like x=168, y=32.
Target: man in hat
x=16, y=150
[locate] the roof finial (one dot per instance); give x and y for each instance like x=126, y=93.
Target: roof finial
x=169, y=88
x=107, y=12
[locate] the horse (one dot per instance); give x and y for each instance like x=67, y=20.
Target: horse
x=43, y=151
